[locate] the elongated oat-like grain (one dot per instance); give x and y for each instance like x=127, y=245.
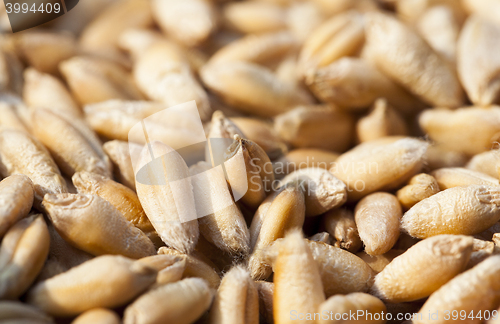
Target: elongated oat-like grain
x=93, y=80
x=459, y=177
x=94, y=225
x=182, y=302
x=405, y=57
x=46, y=91
x=72, y=144
x=251, y=17
x=423, y=268
x=122, y=198
x=279, y=213
x=377, y=218
x=195, y=267
x=92, y=285
x=177, y=228
x=237, y=299
x=322, y=126
x=358, y=303
x=260, y=49
x=374, y=166
x=472, y=291
x=478, y=66
x=23, y=154
x=340, y=224
x=243, y=84
x=341, y=272
x=322, y=190
x=297, y=280
x=225, y=227
x=470, y=130
x=341, y=35
x=487, y=162
x=16, y=199
x=419, y=187
x=459, y=210
x=354, y=84
x=22, y=255
x=97, y=316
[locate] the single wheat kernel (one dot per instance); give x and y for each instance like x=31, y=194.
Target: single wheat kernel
x=163, y=73
x=353, y=303
x=459, y=210
x=119, y=154
x=322, y=190
x=44, y=51
x=423, y=268
x=266, y=293
x=478, y=42
x=279, y=213
x=97, y=316
x=262, y=133
x=382, y=121
x=93, y=225
x=341, y=272
x=472, y=291
x=252, y=17
x=195, y=267
x=377, y=218
x=181, y=302
x=260, y=175
x=122, y=198
x=303, y=158
x=71, y=142
x=470, y=130
x=340, y=224
x=297, y=280
x=321, y=126
x=18, y=312
x=169, y=15
x=92, y=285
x=379, y=262
x=177, y=228
x=419, y=187
x=46, y=91
x=439, y=27
x=236, y=300
x=459, y=177
x=243, y=84
x=22, y=255
x=341, y=35
x=93, y=80
x=225, y=227
x=487, y=162
x=23, y=154
x=353, y=84
x=379, y=165
x=403, y=55
x=16, y=195
x=260, y=49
